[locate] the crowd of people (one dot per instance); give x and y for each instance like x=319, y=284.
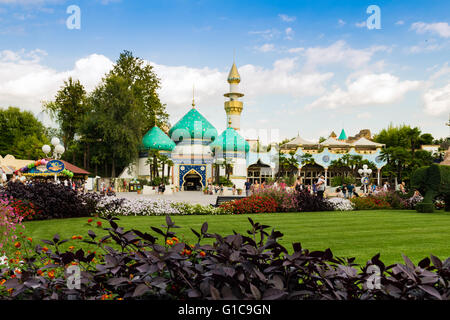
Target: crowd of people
x=73, y=184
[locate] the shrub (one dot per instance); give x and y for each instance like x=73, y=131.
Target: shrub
x=307, y=202
x=10, y=220
x=252, y=266
x=393, y=198
x=370, y=203
x=340, y=204
x=286, y=201
x=252, y=204
x=54, y=200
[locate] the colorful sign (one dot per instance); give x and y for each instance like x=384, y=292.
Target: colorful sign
x=365, y=180
x=55, y=166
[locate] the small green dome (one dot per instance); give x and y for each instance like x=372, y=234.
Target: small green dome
x=156, y=139
x=230, y=140
x=196, y=125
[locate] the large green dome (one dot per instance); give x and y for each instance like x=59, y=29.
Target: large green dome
x=196, y=126
x=230, y=140
x=156, y=139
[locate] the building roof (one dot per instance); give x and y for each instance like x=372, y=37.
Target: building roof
x=11, y=161
x=73, y=168
x=194, y=124
x=363, y=142
x=156, y=139
x=343, y=135
x=299, y=141
x=230, y=140
x=333, y=142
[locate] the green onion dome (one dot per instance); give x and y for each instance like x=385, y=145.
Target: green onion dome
x=194, y=124
x=156, y=139
x=230, y=140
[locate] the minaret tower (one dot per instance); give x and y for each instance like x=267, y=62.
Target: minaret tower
x=233, y=107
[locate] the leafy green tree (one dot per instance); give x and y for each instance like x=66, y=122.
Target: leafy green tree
x=21, y=134
x=144, y=84
x=68, y=110
x=118, y=118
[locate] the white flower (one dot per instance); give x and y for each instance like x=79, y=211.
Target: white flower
x=3, y=261
x=340, y=204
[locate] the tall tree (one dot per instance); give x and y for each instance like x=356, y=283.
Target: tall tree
x=68, y=110
x=118, y=119
x=21, y=134
x=144, y=84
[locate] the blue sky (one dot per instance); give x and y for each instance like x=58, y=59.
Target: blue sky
x=306, y=66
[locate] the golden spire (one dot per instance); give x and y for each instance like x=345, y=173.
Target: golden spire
x=234, y=76
x=193, y=96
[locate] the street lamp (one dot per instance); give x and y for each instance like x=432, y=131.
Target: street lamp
x=365, y=171
x=57, y=151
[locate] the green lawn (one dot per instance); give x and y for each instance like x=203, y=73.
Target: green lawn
x=359, y=234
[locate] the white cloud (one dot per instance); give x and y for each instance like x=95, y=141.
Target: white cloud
x=364, y=115
x=440, y=28
x=441, y=72
x=340, y=52
x=367, y=89
x=268, y=34
x=437, y=101
x=361, y=24
x=400, y=22
x=287, y=18
x=25, y=83
x=267, y=47
x=341, y=22
x=289, y=33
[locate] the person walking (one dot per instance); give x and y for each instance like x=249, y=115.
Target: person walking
x=248, y=186
x=344, y=190
x=298, y=185
x=350, y=190
x=320, y=186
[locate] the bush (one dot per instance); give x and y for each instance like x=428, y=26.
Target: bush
x=340, y=204
x=307, y=202
x=370, y=203
x=425, y=207
x=252, y=204
x=286, y=201
x=54, y=200
x=253, y=266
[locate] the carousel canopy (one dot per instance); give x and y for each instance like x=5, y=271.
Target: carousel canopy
x=363, y=142
x=333, y=142
x=156, y=139
x=299, y=141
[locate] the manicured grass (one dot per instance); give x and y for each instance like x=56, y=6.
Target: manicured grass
x=359, y=234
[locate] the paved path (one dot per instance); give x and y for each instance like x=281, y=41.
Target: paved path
x=194, y=197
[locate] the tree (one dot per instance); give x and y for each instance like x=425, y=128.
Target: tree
x=68, y=110
x=144, y=84
x=119, y=120
x=21, y=134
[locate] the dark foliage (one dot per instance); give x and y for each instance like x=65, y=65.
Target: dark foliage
x=253, y=266
x=308, y=202
x=53, y=200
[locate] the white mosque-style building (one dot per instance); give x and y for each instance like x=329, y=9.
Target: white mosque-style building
x=194, y=146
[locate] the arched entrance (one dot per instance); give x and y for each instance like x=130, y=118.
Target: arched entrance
x=259, y=172
x=310, y=173
x=192, y=181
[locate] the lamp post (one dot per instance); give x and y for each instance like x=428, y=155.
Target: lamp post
x=365, y=171
x=58, y=150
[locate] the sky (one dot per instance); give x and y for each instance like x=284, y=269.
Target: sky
x=307, y=67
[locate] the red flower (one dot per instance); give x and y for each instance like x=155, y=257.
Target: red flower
x=99, y=223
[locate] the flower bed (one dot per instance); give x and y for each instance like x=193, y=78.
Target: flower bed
x=253, y=266
x=340, y=204
x=252, y=204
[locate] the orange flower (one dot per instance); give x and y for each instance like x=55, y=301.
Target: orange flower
x=2, y=282
x=40, y=272
x=169, y=242
x=74, y=237
x=45, y=249
x=51, y=274
x=30, y=239
x=17, y=245
x=79, y=237
x=188, y=252
x=71, y=248
x=119, y=298
x=202, y=253
x=131, y=276
x=175, y=239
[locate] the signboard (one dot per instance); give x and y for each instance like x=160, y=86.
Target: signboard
x=365, y=180
x=55, y=166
